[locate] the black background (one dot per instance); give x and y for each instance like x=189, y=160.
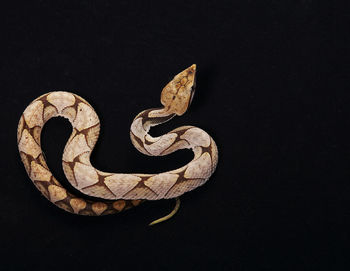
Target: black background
x=271, y=90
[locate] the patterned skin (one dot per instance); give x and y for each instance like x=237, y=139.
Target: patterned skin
x=115, y=192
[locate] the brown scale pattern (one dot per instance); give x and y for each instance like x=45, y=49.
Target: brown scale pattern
x=66, y=200
x=183, y=143
x=86, y=129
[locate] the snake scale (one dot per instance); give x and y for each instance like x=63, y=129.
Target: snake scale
x=114, y=192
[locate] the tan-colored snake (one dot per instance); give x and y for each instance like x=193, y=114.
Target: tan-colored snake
x=115, y=192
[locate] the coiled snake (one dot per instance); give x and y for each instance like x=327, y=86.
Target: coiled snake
x=115, y=192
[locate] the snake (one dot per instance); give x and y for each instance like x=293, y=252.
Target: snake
x=104, y=193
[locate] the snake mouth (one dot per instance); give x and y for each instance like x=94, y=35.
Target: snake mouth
x=193, y=89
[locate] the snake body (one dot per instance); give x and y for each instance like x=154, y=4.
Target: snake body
x=115, y=192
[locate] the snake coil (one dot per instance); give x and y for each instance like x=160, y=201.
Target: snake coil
x=115, y=192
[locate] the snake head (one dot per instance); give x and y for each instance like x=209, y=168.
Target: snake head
x=177, y=95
